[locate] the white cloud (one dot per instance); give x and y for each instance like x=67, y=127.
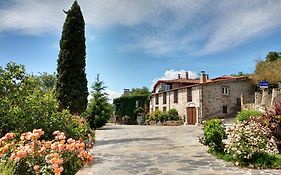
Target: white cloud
x=113, y=94
x=155, y=27
x=239, y=23
x=173, y=74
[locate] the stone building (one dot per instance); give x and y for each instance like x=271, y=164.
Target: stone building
x=199, y=99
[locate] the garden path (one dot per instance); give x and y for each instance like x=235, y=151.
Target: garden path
x=153, y=150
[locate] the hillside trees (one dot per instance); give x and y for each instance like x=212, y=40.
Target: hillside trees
x=270, y=69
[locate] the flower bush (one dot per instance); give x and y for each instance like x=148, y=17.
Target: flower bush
x=34, y=156
x=249, y=138
x=214, y=133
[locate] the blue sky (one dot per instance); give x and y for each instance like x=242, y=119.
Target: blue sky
x=132, y=43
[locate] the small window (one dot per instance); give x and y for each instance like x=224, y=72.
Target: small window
x=176, y=96
x=164, y=109
x=225, y=91
x=164, y=97
x=238, y=101
x=189, y=95
x=157, y=99
x=224, y=109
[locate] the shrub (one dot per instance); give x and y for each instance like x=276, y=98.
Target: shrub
x=273, y=123
x=34, y=156
x=26, y=105
x=173, y=114
x=213, y=134
x=154, y=115
x=244, y=115
x=163, y=116
x=249, y=138
x=125, y=119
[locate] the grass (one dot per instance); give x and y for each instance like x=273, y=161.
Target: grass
x=264, y=160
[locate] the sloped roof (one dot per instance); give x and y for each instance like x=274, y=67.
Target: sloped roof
x=190, y=82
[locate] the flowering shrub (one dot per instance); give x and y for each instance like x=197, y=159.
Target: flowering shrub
x=34, y=156
x=249, y=138
x=214, y=133
x=273, y=123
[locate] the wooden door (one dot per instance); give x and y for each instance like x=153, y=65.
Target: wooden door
x=191, y=113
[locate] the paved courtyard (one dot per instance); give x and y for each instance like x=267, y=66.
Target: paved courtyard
x=152, y=150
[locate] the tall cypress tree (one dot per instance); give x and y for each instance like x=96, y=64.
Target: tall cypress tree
x=72, y=91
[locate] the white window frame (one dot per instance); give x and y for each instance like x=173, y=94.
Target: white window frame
x=225, y=90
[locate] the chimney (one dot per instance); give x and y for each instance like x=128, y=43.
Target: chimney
x=179, y=76
x=186, y=75
x=126, y=92
x=203, y=77
x=207, y=76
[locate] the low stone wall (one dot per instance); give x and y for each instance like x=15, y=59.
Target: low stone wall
x=262, y=100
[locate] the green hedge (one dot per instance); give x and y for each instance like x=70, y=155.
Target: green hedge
x=126, y=106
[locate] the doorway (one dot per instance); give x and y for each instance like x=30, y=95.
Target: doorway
x=191, y=113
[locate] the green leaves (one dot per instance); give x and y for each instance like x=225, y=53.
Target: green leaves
x=214, y=133
x=71, y=87
x=99, y=110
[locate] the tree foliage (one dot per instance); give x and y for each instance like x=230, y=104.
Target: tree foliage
x=25, y=105
x=99, y=109
x=46, y=81
x=139, y=91
x=273, y=56
x=270, y=69
x=72, y=91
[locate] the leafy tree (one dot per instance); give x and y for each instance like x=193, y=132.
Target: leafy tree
x=140, y=91
x=46, y=81
x=239, y=74
x=25, y=105
x=72, y=91
x=269, y=70
x=273, y=56
x=99, y=109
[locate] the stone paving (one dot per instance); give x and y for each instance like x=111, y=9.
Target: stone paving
x=153, y=150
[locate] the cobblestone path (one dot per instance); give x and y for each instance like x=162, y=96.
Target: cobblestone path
x=153, y=150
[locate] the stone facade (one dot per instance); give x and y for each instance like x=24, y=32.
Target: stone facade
x=207, y=98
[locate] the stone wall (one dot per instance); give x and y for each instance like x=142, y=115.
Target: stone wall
x=214, y=99
x=264, y=99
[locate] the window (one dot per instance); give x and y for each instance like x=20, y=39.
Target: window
x=176, y=96
x=137, y=104
x=164, y=97
x=157, y=99
x=189, y=95
x=164, y=109
x=163, y=87
x=224, y=109
x=225, y=90
x=238, y=101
